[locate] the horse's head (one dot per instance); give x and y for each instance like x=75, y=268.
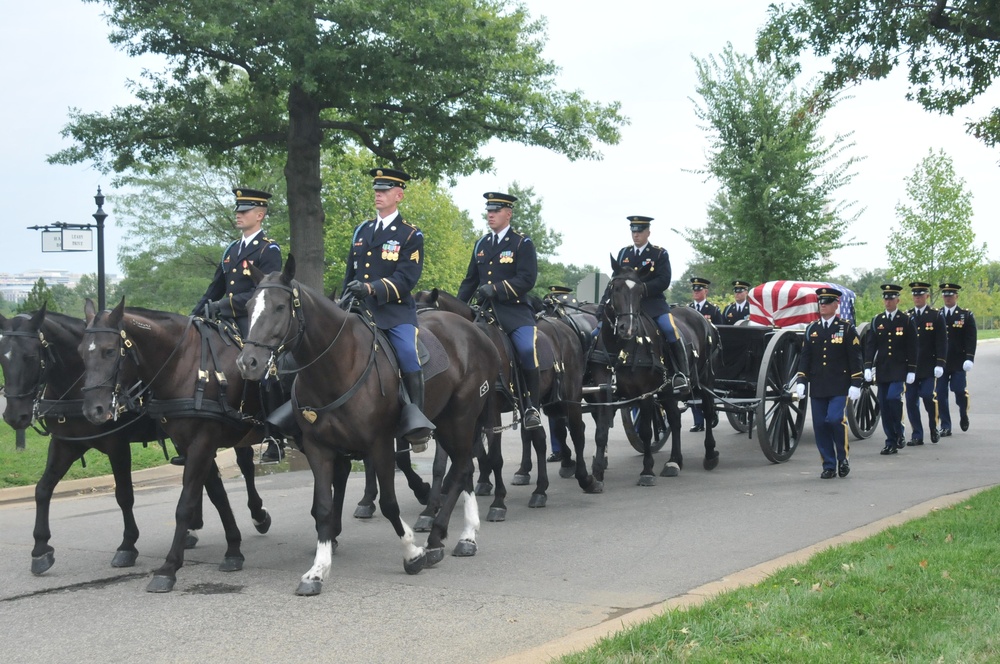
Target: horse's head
x=24, y=355
x=623, y=298
x=276, y=321
x=105, y=347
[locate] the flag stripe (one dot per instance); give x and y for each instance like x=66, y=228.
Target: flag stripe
x=787, y=303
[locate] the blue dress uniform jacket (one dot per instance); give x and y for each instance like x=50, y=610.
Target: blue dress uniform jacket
x=932, y=341
x=732, y=314
x=961, y=329
x=232, y=279
x=392, y=263
x=709, y=311
x=831, y=358
x=892, y=347
x=657, y=280
x=512, y=269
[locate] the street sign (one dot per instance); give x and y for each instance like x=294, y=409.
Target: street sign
x=77, y=239
x=591, y=287
x=51, y=241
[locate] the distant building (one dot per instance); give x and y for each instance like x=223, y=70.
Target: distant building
x=16, y=287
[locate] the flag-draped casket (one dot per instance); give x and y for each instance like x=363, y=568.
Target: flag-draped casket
x=793, y=303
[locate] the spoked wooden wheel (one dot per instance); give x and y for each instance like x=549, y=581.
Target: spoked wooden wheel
x=631, y=422
x=779, y=418
x=864, y=417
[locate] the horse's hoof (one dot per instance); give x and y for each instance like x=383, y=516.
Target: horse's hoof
x=231, y=564
x=497, y=514
x=567, y=473
x=647, y=480
x=265, y=525
x=711, y=462
x=41, y=564
x=423, y=524
x=124, y=558
x=521, y=479
x=465, y=548
x=364, y=511
x=434, y=556
x=670, y=469
x=190, y=540
x=309, y=588
x=537, y=500
x=414, y=566
x=595, y=487
x=484, y=489
x=160, y=584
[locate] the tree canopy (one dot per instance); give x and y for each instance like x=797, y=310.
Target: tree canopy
x=950, y=49
x=422, y=86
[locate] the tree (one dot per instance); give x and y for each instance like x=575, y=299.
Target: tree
x=775, y=216
x=935, y=241
x=422, y=86
x=951, y=49
x=40, y=294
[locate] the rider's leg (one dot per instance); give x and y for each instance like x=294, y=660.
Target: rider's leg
x=676, y=352
x=525, y=345
x=417, y=427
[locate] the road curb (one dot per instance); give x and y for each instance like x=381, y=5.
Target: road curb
x=587, y=637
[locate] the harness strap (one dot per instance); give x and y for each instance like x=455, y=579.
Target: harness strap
x=344, y=398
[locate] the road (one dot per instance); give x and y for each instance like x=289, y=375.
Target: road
x=543, y=575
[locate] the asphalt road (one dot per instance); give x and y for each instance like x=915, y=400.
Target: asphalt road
x=583, y=560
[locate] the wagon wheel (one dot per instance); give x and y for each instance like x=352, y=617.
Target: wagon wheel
x=739, y=421
x=779, y=418
x=864, y=417
x=661, y=432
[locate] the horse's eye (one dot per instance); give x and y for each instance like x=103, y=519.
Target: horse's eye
x=108, y=352
x=280, y=307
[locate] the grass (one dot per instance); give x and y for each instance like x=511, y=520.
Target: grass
x=924, y=591
x=25, y=467
x=988, y=334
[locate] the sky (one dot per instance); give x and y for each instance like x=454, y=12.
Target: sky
x=637, y=52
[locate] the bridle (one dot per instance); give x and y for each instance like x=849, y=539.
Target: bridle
x=613, y=316
x=46, y=353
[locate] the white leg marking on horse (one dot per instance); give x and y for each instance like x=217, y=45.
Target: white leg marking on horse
x=321, y=564
x=256, y=522
x=258, y=307
x=471, y=517
x=410, y=550
x=7, y=355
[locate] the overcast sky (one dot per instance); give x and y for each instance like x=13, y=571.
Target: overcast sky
x=637, y=52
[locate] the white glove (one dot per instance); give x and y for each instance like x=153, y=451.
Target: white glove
x=938, y=372
x=854, y=393
x=967, y=365
x=910, y=377
x=800, y=390
x=868, y=375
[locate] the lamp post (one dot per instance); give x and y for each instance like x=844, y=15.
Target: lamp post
x=99, y=217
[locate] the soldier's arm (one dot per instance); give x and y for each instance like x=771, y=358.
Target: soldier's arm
x=524, y=279
x=403, y=279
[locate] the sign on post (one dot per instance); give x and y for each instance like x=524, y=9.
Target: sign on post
x=591, y=288
x=68, y=239
x=51, y=241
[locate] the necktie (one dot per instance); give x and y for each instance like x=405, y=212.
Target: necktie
x=496, y=240
x=376, y=228
x=243, y=246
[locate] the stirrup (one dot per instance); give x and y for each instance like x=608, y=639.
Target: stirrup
x=680, y=384
x=531, y=419
x=271, y=440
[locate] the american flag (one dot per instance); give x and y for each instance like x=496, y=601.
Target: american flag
x=788, y=303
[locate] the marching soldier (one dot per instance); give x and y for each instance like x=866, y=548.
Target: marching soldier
x=961, y=327
x=740, y=309
x=654, y=302
x=383, y=267
x=891, y=355
x=932, y=347
x=830, y=364
x=699, y=293
x=502, y=271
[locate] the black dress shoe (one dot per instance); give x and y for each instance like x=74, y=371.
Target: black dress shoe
x=696, y=428
x=844, y=469
x=178, y=460
x=554, y=457
x=935, y=436
x=889, y=449
x=901, y=443
x=945, y=433
x=964, y=423
x=915, y=442
x=828, y=474
x=273, y=453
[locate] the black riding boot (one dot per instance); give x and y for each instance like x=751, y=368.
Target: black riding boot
x=531, y=419
x=414, y=426
x=280, y=424
x=678, y=358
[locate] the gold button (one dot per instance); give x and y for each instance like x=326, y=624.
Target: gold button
x=368, y=264
x=231, y=283
x=367, y=277
x=234, y=269
x=369, y=253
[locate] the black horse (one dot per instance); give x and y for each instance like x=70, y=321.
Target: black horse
x=347, y=403
x=635, y=345
x=560, y=384
x=198, y=397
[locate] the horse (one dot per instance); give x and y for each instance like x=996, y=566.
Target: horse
x=177, y=357
x=346, y=400
x=635, y=343
x=560, y=384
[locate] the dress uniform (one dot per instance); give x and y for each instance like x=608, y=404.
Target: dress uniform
x=891, y=355
x=961, y=327
x=830, y=364
x=502, y=271
x=932, y=348
x=232, y=286
x=383, y=267
x=739, y=310
x=641, y=254
x=712, y=315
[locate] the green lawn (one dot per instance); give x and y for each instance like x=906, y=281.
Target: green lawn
x=924, y=591
x=988, y=334
x=24, y=467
